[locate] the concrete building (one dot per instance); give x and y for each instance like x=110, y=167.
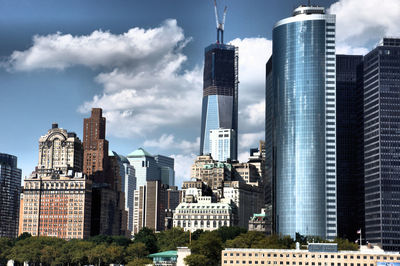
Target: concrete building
x=151, y=204
x=10, y=188
x=247, y=200
x=56, y=206
x=382, y=144
x=300, y=96
x=221, y=142
x=204, y=214
x=261, y=222
x=59, y=152
x=317, y=254
x=145, y=165
x=210, y=171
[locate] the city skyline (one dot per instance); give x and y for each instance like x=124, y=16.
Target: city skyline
x=64, y=85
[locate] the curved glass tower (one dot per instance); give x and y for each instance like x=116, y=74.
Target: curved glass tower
x=303, y=122
x=220, y=95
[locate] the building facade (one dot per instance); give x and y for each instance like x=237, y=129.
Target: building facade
x=10, y=188
x=167, y=171
x=350, y=145
x=221, y=143
x=220, y=94
x=382, y=144
x=145, y=165
x=261, y=222
x=59, y=152
x=303, y=123
x=56, y=206
x=365, y=257
x=204, y=215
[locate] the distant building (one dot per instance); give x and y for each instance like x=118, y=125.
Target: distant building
x=382, y=144
x=350, y=145
x=204, y=214
x=10, y=188
x=221, y=142
x=151, y=204
x=247, y=200
x=210, y=171
x=59, y=152
x=56, y=206
x=317, y=254
x=261, y=222
x=108, y=210
x=145, y=165
x=57, y=199
x=166, y=165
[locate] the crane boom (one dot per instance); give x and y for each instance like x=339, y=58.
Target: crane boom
x=216, y=13
x=223, y=18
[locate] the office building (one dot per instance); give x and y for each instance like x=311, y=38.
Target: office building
x=146, y=167
x=349, y=145
x=221, y=143
x=261, y=222
x=220, y=94
x=59, y=152
x=382, y=144
x=10, y=188
x=108, y=215
x=167, y=172
x=301, y=97
x=58, y=206
x=317, y=254
x=57, y=198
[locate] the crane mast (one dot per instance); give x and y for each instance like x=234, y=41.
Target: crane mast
x=220, y=24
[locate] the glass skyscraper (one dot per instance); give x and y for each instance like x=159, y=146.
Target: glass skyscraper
x=10, y=189
x=350, y=145
x=382, y=144
x=220, y=94
x=302, y=144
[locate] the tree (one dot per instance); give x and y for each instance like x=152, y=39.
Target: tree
x=135, y=250
x=147, y=236
x=140, y=262
x=228, y=233
x=115, y=254
x=196, y=234
x=197, y=260
x=51, y=251
x=209, y=245
x=246, y=240
x=173, y=238
x=345, y=244
x=98, y=254
x=5, y=248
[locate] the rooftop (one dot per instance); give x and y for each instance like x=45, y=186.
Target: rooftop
x=139, y=153
x=165, y=254
x=308, y=10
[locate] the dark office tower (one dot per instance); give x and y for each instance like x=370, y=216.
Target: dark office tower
x=220, y=93
x=382, y=144
x=10, y=188
x=301, y=85
x=95, y=156
x=349, y=145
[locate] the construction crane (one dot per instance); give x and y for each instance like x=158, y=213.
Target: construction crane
x=220, y=24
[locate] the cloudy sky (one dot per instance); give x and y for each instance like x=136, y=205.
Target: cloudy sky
x=141, y=61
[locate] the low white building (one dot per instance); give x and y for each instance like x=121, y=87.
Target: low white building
x=203, y=214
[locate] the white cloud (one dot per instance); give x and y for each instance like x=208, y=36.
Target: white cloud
x=361, y=24
x=250, y=140
x=168, y=142
x=243, y=156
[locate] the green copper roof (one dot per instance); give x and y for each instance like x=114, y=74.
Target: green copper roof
x=139, y=153
x=165, y=254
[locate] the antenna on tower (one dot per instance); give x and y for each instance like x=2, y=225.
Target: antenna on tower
x=220, y=24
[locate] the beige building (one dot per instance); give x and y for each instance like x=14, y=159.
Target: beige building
x=58, y=207
x=211, y=172
x=365, y=257
x=203, y=214
x=59, y=152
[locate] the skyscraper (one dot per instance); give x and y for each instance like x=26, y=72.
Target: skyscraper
x=10, y=187
x=221, y=142
x=167, y=172
x=220, y=94
x=350, y=146
x=382, y=144
x=303, y=123
x=145, y=165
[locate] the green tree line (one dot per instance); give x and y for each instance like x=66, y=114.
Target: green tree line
x=101, y=250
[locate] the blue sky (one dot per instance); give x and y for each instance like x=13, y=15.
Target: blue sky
x=141, y=61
